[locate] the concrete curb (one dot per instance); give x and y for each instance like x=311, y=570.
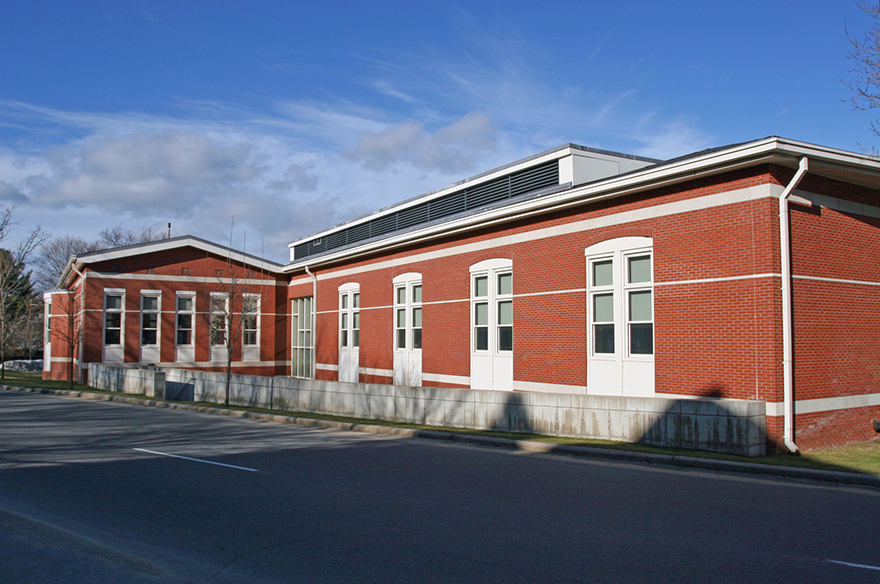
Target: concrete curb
x=846, y=478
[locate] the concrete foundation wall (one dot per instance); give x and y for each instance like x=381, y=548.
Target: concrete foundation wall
x=127, y=380
x=732, y=426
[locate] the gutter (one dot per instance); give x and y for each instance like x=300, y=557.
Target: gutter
x=787, y=318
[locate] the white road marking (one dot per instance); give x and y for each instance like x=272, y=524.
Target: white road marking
x=855, y=565
x=196, y=460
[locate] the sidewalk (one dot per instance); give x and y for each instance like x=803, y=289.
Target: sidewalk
x=847, y=478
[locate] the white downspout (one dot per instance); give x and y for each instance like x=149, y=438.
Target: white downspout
x=314, y=319
x=787, y=328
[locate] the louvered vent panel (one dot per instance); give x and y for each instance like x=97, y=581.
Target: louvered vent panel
x=301, y=250
x=412, y=216
x=337, y=239
x=540, y=177
x=448, y=205
x=383, y=225
x=534, y=179
x=497, y=190
x=358, y=232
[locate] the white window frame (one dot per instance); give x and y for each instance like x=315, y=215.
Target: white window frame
x=407, y=310
x=157, y=312
x=494, y=298
x=192, y=318
x=245, y=314
x=224, y=316
x=349, y=317
x=114, y=292
x=302, y=344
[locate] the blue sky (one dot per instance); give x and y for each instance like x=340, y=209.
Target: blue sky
x=289, y=117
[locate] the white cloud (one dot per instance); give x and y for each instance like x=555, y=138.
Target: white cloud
x=452, y=148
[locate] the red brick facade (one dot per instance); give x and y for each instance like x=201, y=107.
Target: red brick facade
x=717, y=305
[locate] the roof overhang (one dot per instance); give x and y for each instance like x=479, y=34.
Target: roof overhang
x=76, y=263
x=850, y=167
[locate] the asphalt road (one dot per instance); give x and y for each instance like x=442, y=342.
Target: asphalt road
x=105, y=492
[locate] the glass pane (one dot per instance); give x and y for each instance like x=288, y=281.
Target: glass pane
x=250, y=337
x=401, y=338
x=481, y=314
x=401, y=296
x=343, y=301
x=184, y=321
x=114, y=302
x=150, y=303
x=481, y=286
x=113, y=319
x=505, y=338
x=401, y=318
x=357, y=339
x=640, y=305
x=603, y=338
x=641, y=339
x=640, y=269
x=111, y=337
x=356, y=300
x=505, y=283
x=149, y=320
x=505, y=312
x=356, y=320
x=183, y=337
x=417, y=338
x=417, y=293
x=603, y=307
x=184, y=303
x=481, y=341
x=345, y=321
x=603, y=274
x=417, y=317
x=218, y=304
x=344, y=340
x=148, y=337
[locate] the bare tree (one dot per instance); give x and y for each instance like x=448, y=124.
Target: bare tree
x=15, y=284
x=865, y=54
x=232, y=317
x=57, y=251
x=116, y=236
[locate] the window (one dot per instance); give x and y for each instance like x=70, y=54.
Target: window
x=492, y=305
x=408, y=314
x=301, y=314
x=150, y=310
x=250, y=319
x=640, y=304
x=185, y=311
x=113, y=311
x=219, y=318
x=621, y=295
x=350, y=319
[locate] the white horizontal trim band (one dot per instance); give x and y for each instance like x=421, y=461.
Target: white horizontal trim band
x=713, y=280
x=452, y=379
x=194, y=279
x=837, y=281
x=827, y=404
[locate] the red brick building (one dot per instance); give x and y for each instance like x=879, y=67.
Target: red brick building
x=748, y=272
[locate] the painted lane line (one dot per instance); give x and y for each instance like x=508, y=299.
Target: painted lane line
x=196, y=460
x=866, y=567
